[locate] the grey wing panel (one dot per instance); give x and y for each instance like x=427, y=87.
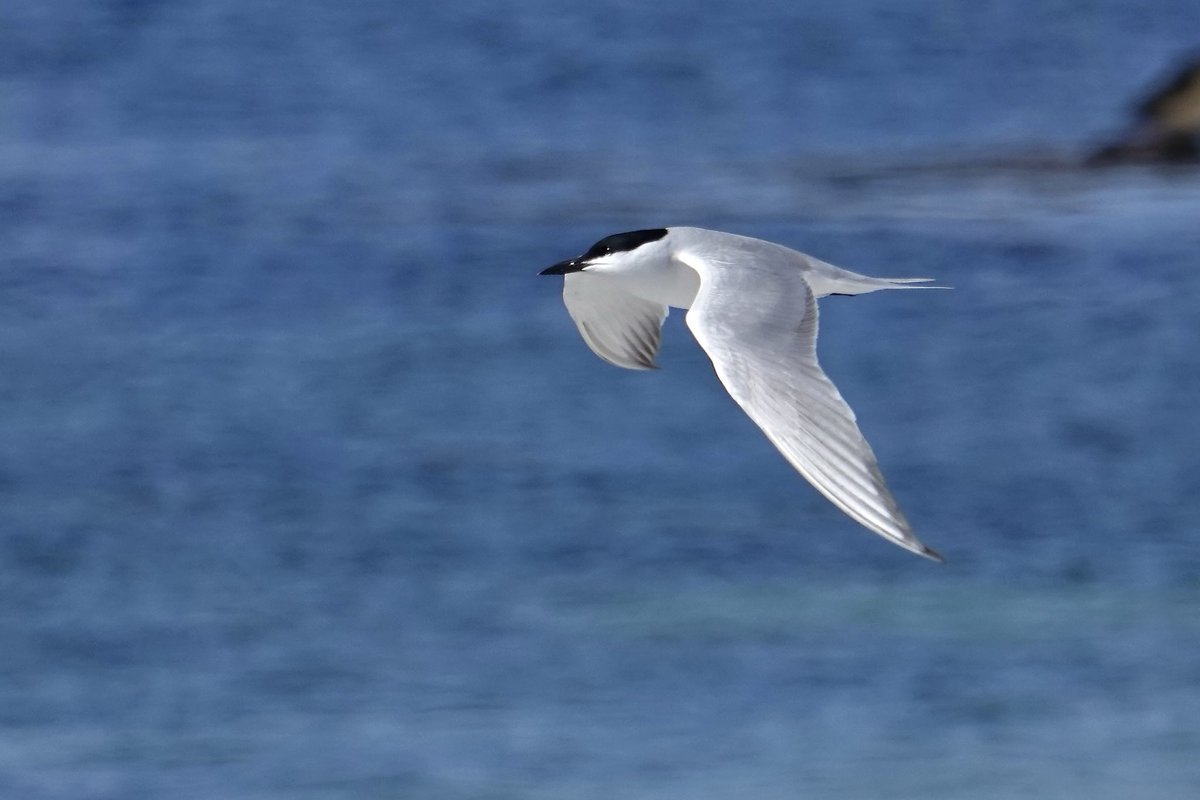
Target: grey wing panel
x=761, y=337
x=621, y=328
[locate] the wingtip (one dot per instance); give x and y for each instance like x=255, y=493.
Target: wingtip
x=931, y=554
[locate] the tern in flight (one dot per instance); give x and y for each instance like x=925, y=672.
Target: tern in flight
x=752, y=306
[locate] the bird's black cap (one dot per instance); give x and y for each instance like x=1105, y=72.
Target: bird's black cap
x=617, y=243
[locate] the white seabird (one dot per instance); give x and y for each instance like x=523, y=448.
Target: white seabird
x=753, y=308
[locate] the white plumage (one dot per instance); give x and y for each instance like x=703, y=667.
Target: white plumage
x=753, y=308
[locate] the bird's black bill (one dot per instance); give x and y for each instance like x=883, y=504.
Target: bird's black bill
x=563, y=267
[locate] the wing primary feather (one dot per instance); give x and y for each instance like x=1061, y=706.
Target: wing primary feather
x=619, y=327
x=760, y=329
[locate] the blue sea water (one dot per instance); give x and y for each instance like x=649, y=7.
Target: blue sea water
x=309, y=489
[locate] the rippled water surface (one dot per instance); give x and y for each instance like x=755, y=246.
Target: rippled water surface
x=309, y=489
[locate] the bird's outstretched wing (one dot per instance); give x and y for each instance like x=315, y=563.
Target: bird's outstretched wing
x=759, y=327
x=621, y=328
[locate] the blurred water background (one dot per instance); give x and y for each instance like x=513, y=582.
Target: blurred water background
x=309, y=489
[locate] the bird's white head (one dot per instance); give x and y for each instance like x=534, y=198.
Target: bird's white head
x=619, y=253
